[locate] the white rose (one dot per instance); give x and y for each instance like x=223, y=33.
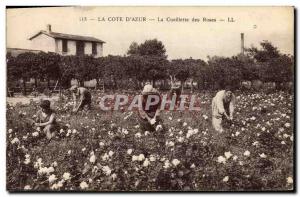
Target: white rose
x=50, y=170
x=141, y=157
x=226, y=178
x=263, y=155
x=247, y=153
x=129, y=151
x=134, y=158
x=152, y=158
x=66, y=176
x=228, y=154
x=114, y=176
x=152, y=121
x=110, y=153
x=158, y=127
x=84, y=185
x=15, y=140
x=106, y=170
x=52, y=178
x=138, y=135
x=146, y=162
x=175, y=162
x=221, y=159
x=93, y=158
x=167, y=164
x=235, y=158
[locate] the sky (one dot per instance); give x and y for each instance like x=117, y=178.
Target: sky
x=181, y=39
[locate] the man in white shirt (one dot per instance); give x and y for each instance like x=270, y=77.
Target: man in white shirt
x=222, y=108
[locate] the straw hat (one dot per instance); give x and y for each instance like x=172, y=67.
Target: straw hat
x=148, y=89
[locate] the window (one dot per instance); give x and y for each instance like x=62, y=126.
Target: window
x=64, y=46
x=94, y=48
x=79, y=48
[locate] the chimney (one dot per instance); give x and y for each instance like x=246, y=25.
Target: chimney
x=242, y=44
x=48, y=28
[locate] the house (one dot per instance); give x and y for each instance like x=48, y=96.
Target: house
x=66, y=44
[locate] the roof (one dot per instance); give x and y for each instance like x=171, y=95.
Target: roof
x=67, y=36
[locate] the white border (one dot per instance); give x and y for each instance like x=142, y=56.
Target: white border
x=4, y=3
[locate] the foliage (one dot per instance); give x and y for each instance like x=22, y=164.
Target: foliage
x=148, y=48
x=273, y=65
x=148, y=62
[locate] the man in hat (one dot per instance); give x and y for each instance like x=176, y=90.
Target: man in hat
x=84, y=96
x=223, y=105
x=149, y=114
x=46, y=119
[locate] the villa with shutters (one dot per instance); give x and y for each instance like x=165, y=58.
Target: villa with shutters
x=66, y=44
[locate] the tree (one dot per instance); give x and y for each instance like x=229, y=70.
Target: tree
x=67, y=68
x=273, y=66
x=266, y=53
x=149, y=61
x=133, y=49
x=148, y=48
x=100, y=69
x=278, y=70
x=114, y=70
x=199, y=71
x=13, y=71
x=154, y=68
x=134, y=69
x=85, y=68
x=180, y=70
x=24, y=66
x=50, y=69
x=188, y=69
x=249, y=69
x=226, y=71
x=81, y=68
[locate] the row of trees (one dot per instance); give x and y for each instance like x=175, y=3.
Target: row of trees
x=148, y=62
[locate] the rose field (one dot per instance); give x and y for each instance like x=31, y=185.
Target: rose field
x=107, y=151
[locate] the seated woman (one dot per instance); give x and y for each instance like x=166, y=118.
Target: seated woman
x=46, y=119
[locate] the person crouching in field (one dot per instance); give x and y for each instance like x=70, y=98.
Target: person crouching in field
x=222, y=108
x=149, y=114
x=46, y=119
x=85, y=98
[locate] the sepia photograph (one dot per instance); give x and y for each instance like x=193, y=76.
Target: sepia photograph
x=150, y=99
